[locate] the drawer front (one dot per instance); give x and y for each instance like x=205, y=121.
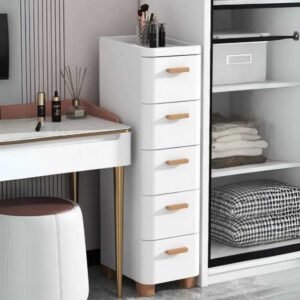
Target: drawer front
x=170, y=259
x=171, y=125
x=171, y=79
x=171, y=170
x=170, y=215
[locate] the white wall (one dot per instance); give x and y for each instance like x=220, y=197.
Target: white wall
x=86, y=21
x=10, y=90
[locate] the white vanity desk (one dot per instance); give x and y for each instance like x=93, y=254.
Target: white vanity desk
x=68, y=147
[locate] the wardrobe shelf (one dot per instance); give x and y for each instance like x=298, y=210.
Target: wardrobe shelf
x=253, y=86
x=238, y=4
x=267, y=166
x=219, y=249
x=224, y=257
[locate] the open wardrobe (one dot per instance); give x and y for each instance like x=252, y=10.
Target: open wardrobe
x=250, y=122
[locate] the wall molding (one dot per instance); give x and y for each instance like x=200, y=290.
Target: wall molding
x=42, y=26
x=42, y=47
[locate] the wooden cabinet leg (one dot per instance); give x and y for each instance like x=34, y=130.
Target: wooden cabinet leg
x=188, y=283
x=145, y=290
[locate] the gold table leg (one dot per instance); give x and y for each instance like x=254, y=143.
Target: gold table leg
x=119, y=221
x=74, y=186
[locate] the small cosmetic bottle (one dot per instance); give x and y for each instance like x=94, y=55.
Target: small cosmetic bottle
x=153, y=35
x=162, y=35
x=153, y=32
x=56, y=108
x=41, y=107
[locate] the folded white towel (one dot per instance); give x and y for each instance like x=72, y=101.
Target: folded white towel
x=239, y=145
x=238, y=137
x=237, y=152
x=227, y=125
x=232, y=131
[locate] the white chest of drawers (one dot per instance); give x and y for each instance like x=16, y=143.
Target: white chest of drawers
x=157, y=92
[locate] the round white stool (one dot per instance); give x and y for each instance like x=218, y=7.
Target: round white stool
x=42, y=250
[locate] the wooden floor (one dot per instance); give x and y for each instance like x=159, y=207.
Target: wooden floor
x=277, y=286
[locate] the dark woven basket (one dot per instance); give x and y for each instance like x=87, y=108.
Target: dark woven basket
x=235, y=161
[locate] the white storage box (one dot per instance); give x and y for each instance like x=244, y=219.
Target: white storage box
x=235, y=63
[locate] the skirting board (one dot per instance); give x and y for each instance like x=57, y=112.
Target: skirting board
x=93, y=257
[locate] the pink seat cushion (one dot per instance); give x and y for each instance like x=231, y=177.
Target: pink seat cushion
x=35, y=206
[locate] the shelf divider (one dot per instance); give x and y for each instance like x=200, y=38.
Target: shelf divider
x=253, y=86
x=247, y=169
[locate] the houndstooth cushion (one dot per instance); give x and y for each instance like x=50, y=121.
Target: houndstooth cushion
x=255, y=198
x=255, y=231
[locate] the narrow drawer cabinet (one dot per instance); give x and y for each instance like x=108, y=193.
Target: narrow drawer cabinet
x=157, y=92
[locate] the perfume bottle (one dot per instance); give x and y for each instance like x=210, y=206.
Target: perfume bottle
x=162, y=35
x=153, y=35
x=56, y=108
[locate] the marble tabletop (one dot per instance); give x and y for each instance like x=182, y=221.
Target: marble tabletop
x=23, y=130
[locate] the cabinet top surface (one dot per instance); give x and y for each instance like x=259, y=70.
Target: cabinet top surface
x=173, y=47
x=17, y=131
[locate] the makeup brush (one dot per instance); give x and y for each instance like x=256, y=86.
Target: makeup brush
x=145, y=7
x=140, y=13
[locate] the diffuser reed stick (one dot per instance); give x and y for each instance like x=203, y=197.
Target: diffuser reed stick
x=74, y=80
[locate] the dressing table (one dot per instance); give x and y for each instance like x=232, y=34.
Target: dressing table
x=97, y=142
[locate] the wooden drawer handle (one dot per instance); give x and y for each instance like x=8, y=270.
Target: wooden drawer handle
x=178, y=116
x=177, y=206
x=178, y=70
x=177, y=251
x=177, y=162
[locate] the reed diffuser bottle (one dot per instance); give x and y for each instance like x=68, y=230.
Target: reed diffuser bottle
x=74, y=81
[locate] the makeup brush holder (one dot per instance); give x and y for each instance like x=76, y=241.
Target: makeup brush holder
x=142, y=32
x=148, y=34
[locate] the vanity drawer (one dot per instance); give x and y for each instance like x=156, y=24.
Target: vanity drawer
x=171, y=125
x=171, y=170
x=170, y=215
x=171, y=79
x=170, y=259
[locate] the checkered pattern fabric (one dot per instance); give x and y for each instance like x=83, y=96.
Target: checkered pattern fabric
x=255, y=231
x=255, y=198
